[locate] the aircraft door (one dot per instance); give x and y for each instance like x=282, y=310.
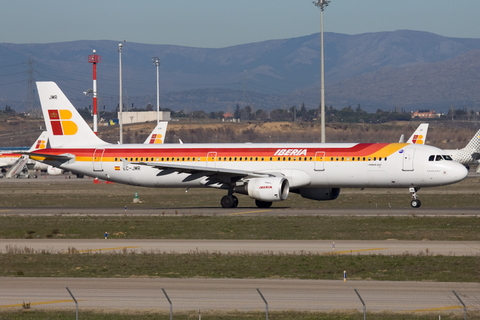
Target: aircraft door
x=97, y=159
x=408, y=159
x=211, y=159
x=319, y=161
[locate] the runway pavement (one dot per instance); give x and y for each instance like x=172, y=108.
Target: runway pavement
x=229, y=294
x=457, y=248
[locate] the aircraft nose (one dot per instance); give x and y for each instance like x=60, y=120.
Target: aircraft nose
x=458, y=172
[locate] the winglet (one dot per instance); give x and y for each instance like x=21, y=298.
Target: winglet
x=65, y=126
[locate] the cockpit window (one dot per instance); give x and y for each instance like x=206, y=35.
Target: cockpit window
x=447, y=157
x=439, y=158
x=431, y=158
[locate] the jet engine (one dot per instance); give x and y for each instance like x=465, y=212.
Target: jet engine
x=268, y=189
x=54, y=171
x=319, y=194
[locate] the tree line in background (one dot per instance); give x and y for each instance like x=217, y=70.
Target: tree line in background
x=293, y=114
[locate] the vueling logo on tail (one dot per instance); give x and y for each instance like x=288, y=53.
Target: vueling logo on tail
x=417, y=139
x=61, y=124
x=156, y=139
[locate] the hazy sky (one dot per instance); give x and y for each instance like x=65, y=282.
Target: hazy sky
x=223, y=23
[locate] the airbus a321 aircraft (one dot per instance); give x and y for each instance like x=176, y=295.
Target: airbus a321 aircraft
x=266, y=172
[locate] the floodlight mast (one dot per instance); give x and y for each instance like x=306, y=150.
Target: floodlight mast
x=120, y=46
x=156, y=61
x=94, y=59
x=322, y=4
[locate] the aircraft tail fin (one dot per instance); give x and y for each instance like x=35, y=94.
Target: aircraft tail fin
x=40, y=143
x=65, y=126
x=474, y=144
x=420, y=135
x=158, y=134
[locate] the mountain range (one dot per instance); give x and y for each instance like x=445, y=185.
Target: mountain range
x=407, y=69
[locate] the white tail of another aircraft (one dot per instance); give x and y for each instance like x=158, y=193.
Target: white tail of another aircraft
x=420, y=135
x=158, y=134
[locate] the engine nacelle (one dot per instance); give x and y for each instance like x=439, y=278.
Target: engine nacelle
x=320, y=194
x=54, y=171
x=268, y=189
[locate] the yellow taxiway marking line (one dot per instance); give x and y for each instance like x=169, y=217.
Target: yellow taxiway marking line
x=36, y=303
x=235, y=213
x=439, y=309
x=359, y=250
x=104, y=249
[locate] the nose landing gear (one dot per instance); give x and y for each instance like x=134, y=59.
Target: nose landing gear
x=416, y=203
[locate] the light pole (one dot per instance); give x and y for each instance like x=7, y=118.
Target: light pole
x=322, y=4
x=120, y=46
x=156, y=61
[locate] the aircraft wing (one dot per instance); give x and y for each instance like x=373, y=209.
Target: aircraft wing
x=50, y=157
x=208, y=171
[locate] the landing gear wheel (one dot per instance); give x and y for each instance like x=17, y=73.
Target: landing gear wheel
x=416, y=203
x=263, y=204
x=235, y=201
x=228, y=202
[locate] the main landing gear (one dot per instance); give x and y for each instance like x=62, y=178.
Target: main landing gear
x=416, y=203
x=229, y=201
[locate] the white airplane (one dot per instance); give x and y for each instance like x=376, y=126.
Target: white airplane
x=470, y=155
x=266, y=172
x=10, y=156
x=40, y=144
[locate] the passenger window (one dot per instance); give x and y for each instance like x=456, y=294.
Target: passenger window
x=363, y=159
x=270, y=158
x=374, y=158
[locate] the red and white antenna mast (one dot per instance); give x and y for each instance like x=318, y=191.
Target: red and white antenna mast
x=93, y=58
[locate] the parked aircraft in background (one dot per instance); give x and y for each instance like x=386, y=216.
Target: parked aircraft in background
x=419, y=136
x=158, y=134
x=266, y=172
x=470, y=155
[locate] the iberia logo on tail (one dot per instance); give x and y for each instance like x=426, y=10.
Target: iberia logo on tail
x=417, y=139
x=61, y=123
x=156, y=139
x=40, y=144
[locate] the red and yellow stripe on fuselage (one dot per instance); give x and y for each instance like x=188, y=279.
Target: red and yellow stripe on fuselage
x=182, y=153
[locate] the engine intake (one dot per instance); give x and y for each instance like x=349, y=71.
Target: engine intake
x=268, y=189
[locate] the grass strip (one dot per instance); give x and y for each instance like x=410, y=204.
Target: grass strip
x=222, y=315
x=242, y=227
x=82, y=193
x=406, y=267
